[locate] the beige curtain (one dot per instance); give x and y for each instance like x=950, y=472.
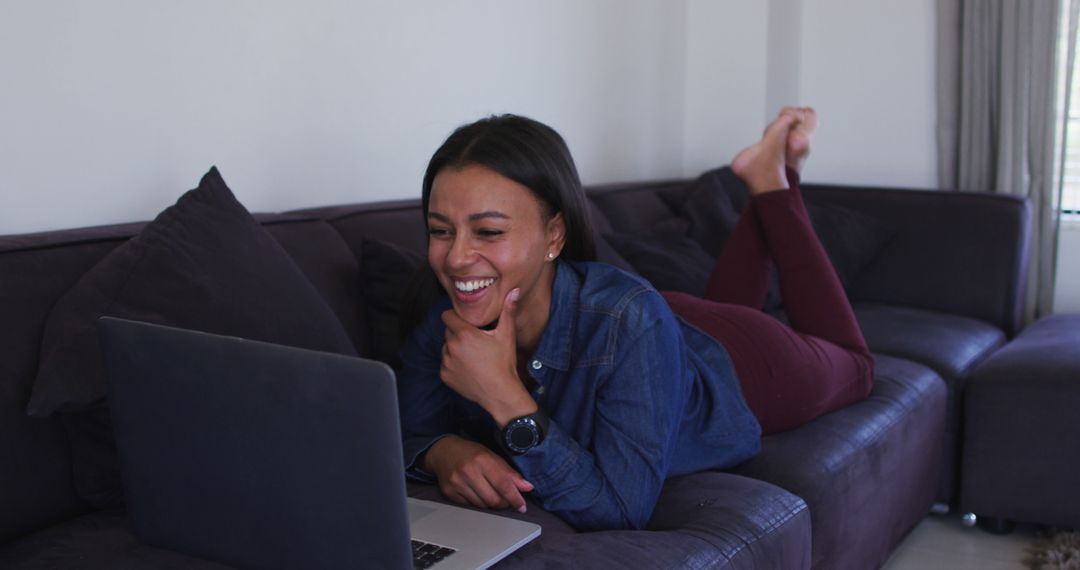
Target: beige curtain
x=999, y=115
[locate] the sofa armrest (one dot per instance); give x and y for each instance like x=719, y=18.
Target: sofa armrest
x=963, y=253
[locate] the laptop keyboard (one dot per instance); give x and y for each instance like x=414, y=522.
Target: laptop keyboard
x=425, y=554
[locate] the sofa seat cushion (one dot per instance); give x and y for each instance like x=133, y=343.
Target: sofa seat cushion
x=102, y=539
x=868, y=472
x=704, y=520
x=950, y=344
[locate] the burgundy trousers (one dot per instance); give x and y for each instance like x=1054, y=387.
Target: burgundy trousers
x=789, y=374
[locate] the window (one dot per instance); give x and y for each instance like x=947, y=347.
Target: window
x=1070, y=191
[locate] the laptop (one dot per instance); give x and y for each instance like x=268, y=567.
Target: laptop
x=264, y=456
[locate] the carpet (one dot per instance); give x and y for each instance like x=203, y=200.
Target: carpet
x=1058, y=551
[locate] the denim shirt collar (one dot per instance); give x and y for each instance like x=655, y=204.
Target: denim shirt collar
x=558, y=338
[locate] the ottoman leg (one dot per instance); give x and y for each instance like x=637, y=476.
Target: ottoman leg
x=995, y=525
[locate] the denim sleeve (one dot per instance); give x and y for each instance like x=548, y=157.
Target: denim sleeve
x=424, y=402
x=616, y=480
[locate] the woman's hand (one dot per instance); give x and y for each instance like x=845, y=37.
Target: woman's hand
x=471, y=474
x=482, y=365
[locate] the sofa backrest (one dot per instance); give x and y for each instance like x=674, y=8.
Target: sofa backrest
x=36, y=486
x=964, y=253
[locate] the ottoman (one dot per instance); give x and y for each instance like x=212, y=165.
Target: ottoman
x=1021, y=452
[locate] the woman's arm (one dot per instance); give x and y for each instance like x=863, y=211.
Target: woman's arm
x=425, y=404
x=615, y=482
x=466, y=471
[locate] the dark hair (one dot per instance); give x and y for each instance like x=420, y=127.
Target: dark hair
x=527, y=152
x=531, y=154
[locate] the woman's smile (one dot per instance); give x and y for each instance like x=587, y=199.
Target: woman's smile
x=471, y=290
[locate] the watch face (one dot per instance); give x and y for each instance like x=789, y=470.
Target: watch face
x=522, y=434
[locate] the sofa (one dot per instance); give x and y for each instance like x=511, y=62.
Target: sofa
x=935, y=278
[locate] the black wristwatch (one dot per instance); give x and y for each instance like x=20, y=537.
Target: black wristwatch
x=524, y=433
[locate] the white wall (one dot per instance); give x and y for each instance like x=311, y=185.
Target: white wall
x=867, y=67
x=725, y=80
x=110, y=110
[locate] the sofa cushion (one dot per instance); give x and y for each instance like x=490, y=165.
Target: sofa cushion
x=387, y=271
x=846, y=464
x=605, y=251
x=715, y=200
x=103, y=539
x=671, y=261
x=202, y=264
x=712, y=206
x=949, y=344
x=36, y=270
x=704, y=520
x=321, y=254
x=636, y=210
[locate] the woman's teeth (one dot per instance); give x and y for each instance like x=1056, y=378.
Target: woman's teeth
x=475, y=285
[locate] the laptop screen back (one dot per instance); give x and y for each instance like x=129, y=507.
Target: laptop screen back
x=254, y=454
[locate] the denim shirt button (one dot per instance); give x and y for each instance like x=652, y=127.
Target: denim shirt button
x=537, y=365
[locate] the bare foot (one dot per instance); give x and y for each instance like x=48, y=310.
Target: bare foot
x=798, y=142
x=761, y=165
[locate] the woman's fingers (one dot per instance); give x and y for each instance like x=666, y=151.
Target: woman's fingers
x=507, y=488
x=472, y=474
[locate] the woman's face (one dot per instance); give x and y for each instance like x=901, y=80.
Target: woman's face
x=487, y=236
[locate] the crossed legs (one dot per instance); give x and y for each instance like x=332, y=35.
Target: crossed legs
x=820, y=363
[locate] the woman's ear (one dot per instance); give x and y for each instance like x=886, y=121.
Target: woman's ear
x=556, y=228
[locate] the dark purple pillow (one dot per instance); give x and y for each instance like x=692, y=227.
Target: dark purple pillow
x=202, y=264
x=669, y=259
x=712, y=206
x=852, y=239
x=670, y=264
x=387, y=273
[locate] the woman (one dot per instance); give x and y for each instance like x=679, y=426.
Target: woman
x=545, y=372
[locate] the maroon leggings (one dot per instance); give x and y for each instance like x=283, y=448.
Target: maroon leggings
x=789, y=374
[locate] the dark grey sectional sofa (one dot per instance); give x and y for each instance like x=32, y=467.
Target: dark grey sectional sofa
x=940, y=293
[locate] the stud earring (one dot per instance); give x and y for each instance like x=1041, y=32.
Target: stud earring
x=551, y=255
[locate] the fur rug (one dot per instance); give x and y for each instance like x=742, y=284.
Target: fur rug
x=1059, y=551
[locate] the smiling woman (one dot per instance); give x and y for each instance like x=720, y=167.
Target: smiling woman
x=541, y=371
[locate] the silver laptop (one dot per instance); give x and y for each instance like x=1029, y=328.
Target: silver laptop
x=264, y=456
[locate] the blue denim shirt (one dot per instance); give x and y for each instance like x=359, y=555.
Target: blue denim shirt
x=634, y=395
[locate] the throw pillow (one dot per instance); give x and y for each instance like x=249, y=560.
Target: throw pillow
x=850, y=238
x=387, y=270
x=669, y=259
x=712, y=206
x=203, y=264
